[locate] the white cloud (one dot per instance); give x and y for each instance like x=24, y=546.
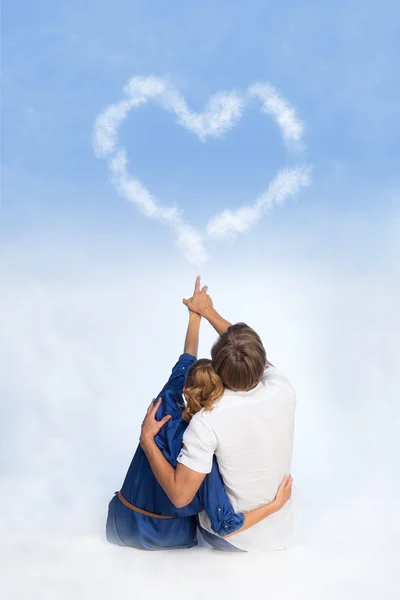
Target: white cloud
x=138, y=90
x=188, y=238
x=221, y=113
x=286, y=184
x=133, y=190
x=191, y=243
x=106, y=127
x=279, y=109
x=90, y=364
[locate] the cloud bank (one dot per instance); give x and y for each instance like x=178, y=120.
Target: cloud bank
x=222, y=112
x=90, y=364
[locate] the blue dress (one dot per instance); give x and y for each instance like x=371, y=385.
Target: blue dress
x=126, y=527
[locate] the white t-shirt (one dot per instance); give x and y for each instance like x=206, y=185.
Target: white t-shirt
x=251, y=434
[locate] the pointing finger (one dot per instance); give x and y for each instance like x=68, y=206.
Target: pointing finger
x=197, y=284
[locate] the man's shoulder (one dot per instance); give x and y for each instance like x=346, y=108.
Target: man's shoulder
x=202, y=416
x=205, y=419
x=274, y=376
x=201, y=419
x=214, y=415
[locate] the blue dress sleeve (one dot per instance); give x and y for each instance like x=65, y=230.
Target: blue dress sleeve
x=169, y=438
x=217, y=505
x=171, y=394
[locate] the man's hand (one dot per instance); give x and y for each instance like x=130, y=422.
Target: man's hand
x=180, y=484
x=284, y=492
x=150, y=425
x=200, y=302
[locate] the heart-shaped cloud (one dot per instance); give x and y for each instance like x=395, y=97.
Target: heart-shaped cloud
x=221, y=113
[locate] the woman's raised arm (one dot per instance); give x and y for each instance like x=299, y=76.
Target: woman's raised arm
x=192, y=334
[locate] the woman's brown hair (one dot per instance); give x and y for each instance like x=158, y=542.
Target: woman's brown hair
x=239, y=357
x=203, y=388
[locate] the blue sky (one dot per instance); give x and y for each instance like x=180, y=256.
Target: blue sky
x=91, y=288
x=63, y=64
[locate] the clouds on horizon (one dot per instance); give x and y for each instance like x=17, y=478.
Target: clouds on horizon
x=221, y=114
x=88, y=356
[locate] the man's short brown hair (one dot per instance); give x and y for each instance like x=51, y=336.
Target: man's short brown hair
x=239, y=357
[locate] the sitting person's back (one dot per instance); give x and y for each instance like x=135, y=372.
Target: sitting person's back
x=250, y=430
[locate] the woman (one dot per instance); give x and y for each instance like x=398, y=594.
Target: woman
x=141, y=515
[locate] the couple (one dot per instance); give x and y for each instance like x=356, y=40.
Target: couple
x=221, y=461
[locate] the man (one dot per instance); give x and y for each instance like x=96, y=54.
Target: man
x=250, y=431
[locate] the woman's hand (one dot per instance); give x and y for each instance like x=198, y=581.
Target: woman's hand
x=150, y=425
x=284, y=492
